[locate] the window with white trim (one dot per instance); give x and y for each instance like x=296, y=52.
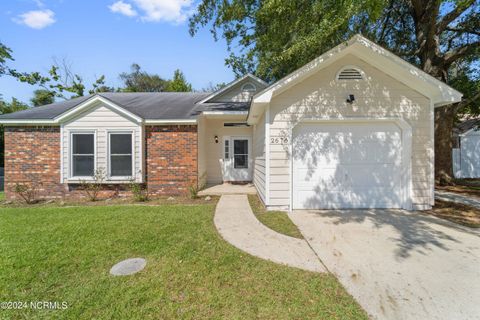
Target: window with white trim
x=83, y=154
x=121, y=154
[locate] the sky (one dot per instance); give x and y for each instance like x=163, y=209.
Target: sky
x=104, y=37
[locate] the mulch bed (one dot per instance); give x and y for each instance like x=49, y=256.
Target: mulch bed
x=456, y=212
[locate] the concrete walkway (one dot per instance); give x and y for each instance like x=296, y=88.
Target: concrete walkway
x=457, y=198
x=237, y=224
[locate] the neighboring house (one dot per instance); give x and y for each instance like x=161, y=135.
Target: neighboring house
x=351, y=129
x=466, y=149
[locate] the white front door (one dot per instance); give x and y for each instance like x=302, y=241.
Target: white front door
x=236, y=163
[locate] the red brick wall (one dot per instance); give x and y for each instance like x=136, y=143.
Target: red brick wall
x=171, y=159
x=32, y=156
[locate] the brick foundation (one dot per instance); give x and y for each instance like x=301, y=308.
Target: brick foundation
x=32, y=157
x=171, y=159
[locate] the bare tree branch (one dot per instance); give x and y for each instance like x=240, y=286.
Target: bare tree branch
x=466, y=102
x=460, y=52
x=460, y=30
x=452, y=15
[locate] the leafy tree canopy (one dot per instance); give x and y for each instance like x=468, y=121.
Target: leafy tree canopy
x=138, y=80
x=42, y=97
x=178, y=83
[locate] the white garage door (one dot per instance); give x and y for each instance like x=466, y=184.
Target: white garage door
x=347, y=166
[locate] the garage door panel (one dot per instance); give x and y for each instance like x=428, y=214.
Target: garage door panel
x=347, y=166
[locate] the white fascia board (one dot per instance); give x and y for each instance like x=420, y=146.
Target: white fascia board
x=31, y=122
x=221, y=113
x=170, y=121
x=93, y=101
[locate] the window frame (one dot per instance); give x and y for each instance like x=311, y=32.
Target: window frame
x=71, y=154
x=109, y=155
x=247, y=164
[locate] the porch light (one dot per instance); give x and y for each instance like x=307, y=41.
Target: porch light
x=216, y=139
x=350, y=98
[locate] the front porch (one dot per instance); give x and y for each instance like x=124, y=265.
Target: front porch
x=228, y=188
x=225, y=154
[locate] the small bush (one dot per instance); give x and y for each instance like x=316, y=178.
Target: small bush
x=193, y=191
x=28, y=192
x=139, y=192
x=92, y=188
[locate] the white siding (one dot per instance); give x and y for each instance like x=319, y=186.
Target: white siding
x=202, y=154
x=379, y=95
x=259, y=157
x=102, y=119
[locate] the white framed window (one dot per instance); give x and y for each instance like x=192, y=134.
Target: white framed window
x=120, y=154
x=240, y=153
x=249, y=87
x=82, y=154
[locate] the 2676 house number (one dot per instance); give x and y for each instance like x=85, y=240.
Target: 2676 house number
x=278, y=140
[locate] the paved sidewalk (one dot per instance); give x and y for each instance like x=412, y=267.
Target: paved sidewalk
x=237, y=224
x=458, y=198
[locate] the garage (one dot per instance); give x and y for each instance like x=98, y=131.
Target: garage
x=347, y=165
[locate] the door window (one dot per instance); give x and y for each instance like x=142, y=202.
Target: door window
x=240, y=153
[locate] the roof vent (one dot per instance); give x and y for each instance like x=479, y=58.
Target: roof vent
x=350, y=73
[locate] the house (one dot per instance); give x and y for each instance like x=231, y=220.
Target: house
x=466, y=149
x=351, y=129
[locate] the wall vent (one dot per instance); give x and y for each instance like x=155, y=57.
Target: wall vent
x=350, y=74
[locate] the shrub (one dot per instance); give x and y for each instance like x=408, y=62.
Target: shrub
x=139, y=191
x=28, y=192
x=193, y=190
x=92, y=188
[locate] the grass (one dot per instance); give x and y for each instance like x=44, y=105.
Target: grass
x=456, y=212
x=64, y=254
x=2, y=195
x=275, y=220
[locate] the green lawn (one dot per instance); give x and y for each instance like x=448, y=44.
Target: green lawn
x=2, y=195
x=64, y=254
x=275, y=220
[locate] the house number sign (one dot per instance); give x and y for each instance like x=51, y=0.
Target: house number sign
x=278, y=140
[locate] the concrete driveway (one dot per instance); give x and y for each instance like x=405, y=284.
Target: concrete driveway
x=398, y=264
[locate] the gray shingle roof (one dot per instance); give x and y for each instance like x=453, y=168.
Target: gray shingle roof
x=147, y=105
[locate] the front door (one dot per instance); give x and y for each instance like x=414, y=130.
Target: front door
x=237, y=165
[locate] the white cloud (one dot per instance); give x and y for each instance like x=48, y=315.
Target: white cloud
x=36, y=19
x=123, y=8
x=176, y=11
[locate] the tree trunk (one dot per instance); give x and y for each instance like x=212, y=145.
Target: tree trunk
x=444, y=121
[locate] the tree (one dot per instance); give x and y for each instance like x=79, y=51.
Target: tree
x=42, y=97
x=265, y=38
x=5, y=54
x=214, y=87
x=8, y=107
x=140, y=81
x=178, y=83
x=61, y=81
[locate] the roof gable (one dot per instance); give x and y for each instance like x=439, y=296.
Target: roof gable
x=380, y=58
x=225, y=93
